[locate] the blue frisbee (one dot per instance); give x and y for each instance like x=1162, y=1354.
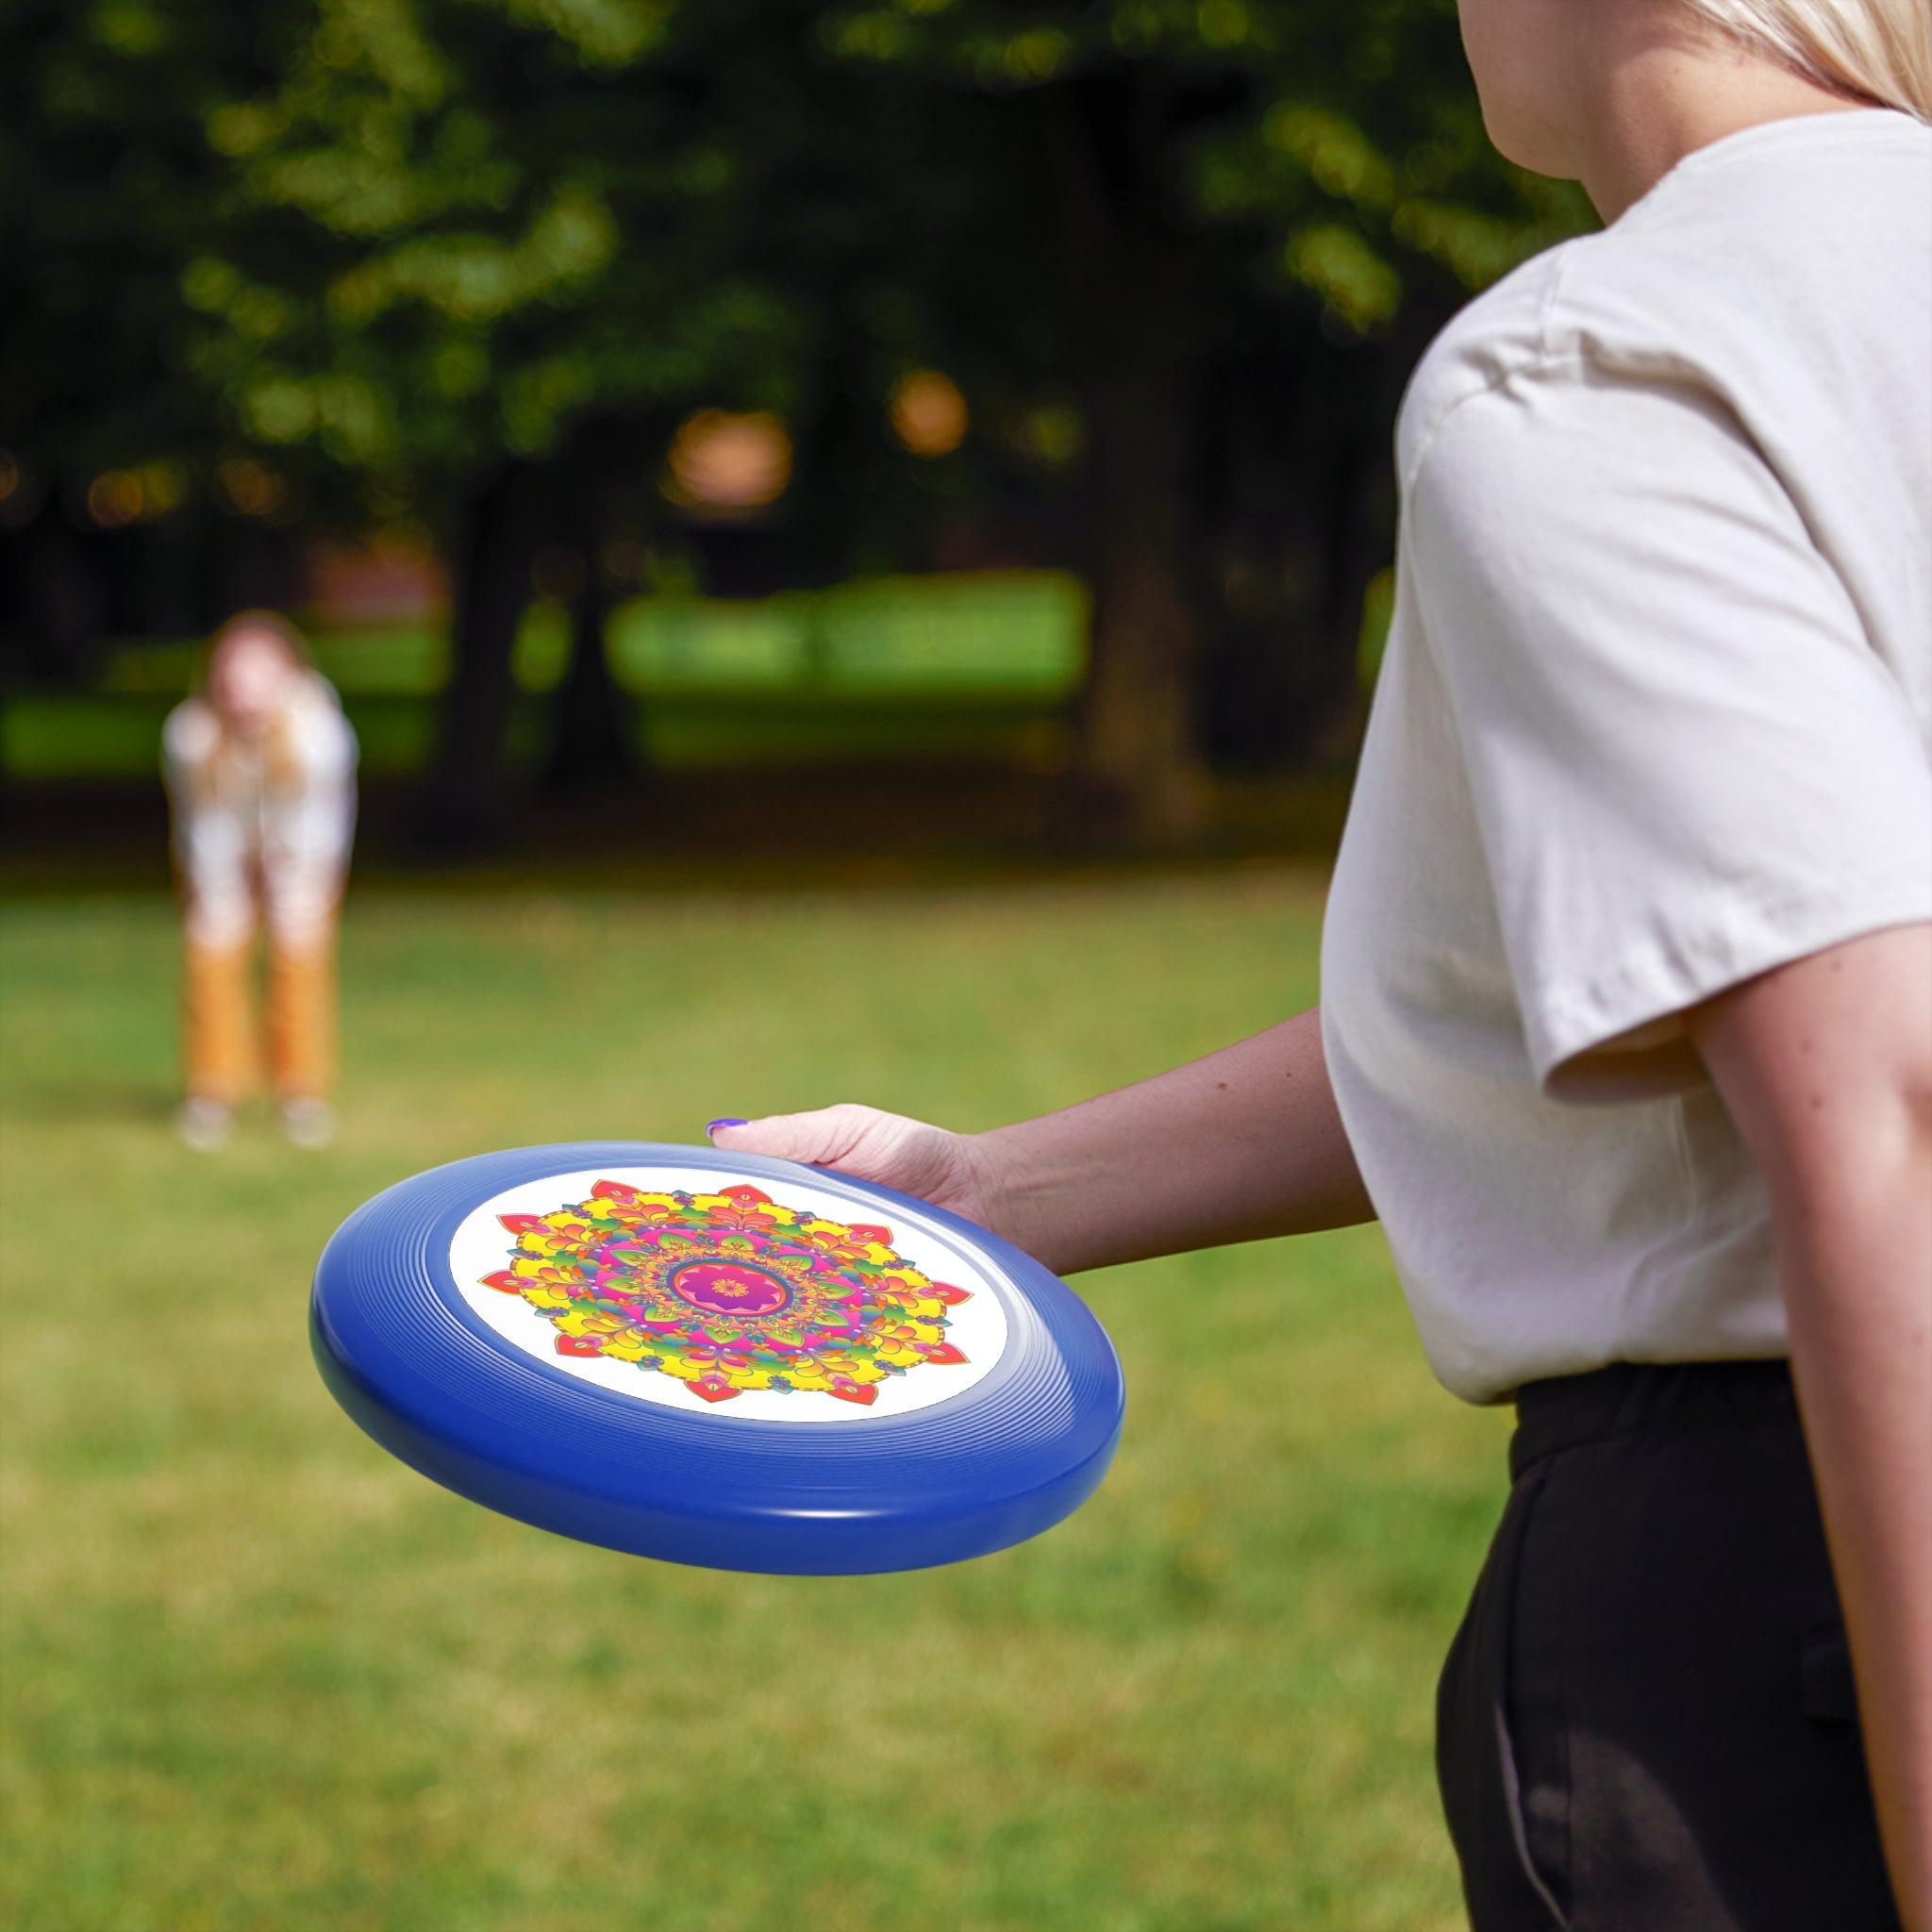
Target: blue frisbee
x=716, y=1358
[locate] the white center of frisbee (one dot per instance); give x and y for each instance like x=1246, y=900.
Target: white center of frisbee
x=699, y=1290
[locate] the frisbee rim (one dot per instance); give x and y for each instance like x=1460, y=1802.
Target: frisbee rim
x=780, y=1497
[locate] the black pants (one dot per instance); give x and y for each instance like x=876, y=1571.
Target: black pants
x=1646, y=1720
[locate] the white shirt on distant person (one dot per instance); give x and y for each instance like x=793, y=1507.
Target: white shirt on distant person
x=262, y=826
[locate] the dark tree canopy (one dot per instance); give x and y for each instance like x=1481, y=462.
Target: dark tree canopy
x=469, y=262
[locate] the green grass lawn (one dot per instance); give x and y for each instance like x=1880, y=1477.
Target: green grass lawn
x=257, y=1675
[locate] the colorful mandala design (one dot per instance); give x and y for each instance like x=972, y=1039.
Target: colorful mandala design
x=729, y=1292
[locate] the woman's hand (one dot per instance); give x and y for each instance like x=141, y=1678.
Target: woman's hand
x=949, y=1170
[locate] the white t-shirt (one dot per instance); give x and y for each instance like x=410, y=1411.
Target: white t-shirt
x=1655, y=716
x=254, y=824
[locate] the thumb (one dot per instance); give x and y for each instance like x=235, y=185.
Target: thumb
x=909, y=1155
x=819, y=1138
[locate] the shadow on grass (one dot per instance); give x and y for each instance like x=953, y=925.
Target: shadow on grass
x=776, y=830
x=84, y=1103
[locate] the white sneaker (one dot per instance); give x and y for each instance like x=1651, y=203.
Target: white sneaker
x=309, y=1122
x=204, y=1124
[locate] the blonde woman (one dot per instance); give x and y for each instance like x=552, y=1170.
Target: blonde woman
x=260, y=768
x=1626, y=1031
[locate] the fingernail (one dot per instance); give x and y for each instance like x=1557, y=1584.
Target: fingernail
x=714, y=1125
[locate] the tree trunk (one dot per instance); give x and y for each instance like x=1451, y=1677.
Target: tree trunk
x=466, y=803
x=1132, y=302
x=1140, y=737
x=591, y=741
x=62, y=601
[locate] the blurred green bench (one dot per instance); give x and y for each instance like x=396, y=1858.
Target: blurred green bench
x=975, y=666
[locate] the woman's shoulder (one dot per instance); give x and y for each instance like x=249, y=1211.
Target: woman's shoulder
x=1755, y=266
x=315, y=696
x=191, y=733
x=319, y=733
x=1501, y=333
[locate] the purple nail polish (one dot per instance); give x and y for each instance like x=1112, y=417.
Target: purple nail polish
x=714, y=1125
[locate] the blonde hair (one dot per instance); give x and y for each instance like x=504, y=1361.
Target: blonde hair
x=1879, y=50
x=281, y=765
x=257, y=622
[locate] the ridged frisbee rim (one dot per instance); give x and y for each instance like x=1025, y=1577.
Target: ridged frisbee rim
x=409, y=1360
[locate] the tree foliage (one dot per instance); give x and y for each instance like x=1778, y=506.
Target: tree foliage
x=433, y=257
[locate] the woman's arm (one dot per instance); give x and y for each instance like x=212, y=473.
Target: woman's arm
x=1243, y=1144
x=1826, y=1068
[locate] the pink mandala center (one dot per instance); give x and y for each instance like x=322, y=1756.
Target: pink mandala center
x=728, y=1288
x=730, y=1291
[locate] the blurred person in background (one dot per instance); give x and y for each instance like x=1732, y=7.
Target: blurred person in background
x=260, y=769
x=1626, y=1021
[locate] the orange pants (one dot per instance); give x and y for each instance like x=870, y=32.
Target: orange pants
x=223, y=1049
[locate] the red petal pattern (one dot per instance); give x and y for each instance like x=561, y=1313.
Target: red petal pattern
x=610, y=1255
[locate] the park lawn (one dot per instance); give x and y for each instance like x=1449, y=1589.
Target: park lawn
x=257, y=1675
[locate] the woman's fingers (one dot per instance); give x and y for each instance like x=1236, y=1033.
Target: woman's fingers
x=860, y=1139
x=817, y=1138
x=884, y=1147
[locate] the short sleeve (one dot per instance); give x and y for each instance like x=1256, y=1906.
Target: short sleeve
x=188, y=741
x=1688, y=761
x=322, y=738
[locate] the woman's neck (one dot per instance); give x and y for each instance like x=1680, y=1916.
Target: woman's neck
x=1657, y=96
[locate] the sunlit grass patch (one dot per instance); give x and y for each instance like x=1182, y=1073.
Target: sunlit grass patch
x=257, y=1675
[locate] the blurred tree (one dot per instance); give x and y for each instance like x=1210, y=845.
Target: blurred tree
x=106, y=188
x=1234, y=196
x=514, y=232
x=469, y=262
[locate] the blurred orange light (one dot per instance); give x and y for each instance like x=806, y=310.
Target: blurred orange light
x=250, y=489
x=114, y=499
x=729, y=464
x=9, y=476
x=930, y=415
